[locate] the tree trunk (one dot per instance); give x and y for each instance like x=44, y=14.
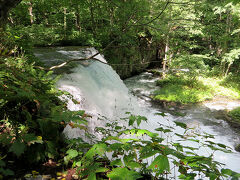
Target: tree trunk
x=78, y=19
x=30, y=10
x=228, y=68
x=165, y=60
x=65, y=21
x=5, y=7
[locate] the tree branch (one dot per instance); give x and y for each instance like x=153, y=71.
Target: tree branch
x=155, y=18
x=125, y=27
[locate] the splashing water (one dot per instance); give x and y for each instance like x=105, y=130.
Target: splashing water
x=95, y=85
x=100, y=91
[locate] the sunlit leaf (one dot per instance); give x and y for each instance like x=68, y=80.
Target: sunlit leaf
x=123, y=174
x=160, y=164
x=72, y=153
x=116, y=162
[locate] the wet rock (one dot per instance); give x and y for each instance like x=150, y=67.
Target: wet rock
x=237, y=147
x=221, y=114
x=222, y=103
x=225, y=116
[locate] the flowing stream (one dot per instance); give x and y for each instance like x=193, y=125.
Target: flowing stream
x=100, y=91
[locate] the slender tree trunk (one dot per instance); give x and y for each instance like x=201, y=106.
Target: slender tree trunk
x=228, y=68
x=78, y=21
x=165, y=60
x=5, y=7
x=65, y=21
x=30, y=10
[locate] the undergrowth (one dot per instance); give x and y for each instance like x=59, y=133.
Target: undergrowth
x=186, y=90
x=32, y=119
x=235, y=114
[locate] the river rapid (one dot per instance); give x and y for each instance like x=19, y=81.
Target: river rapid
x=102, y=92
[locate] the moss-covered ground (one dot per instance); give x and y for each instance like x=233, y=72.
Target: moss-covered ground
x=187, y=90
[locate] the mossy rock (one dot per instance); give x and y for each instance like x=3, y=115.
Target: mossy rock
x=237, y=147
x=234, y=117
x=155, y=72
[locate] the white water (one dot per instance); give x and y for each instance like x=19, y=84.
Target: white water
x=100, y=91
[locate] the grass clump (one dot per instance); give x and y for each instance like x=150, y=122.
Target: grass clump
x=235, y=114
x=186, y=90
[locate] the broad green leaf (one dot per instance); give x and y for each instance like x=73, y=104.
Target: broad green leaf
x=72, y=153
x=102, y=169
x=226, y=171
x=79, y=163
x=123, y=174
x=115, y=146
x=99, y=149
x=116, y=162
x=133, y=165
x=160, y=164
x=140, y=119
x=148, y=153
x=92, y=176
x=132, y=119
x=17, y=148
x=29, y=137
x=212, y=176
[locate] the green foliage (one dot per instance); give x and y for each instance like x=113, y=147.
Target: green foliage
x=200, y=36
x=123, y=174
x=194, y=64
x=179, y=89
x=192, y=90
x=231, y=81
x=235, y=114
x=124, y=155
x=32, y=115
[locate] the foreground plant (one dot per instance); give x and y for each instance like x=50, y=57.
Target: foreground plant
x=32, y=117
x=135, y=153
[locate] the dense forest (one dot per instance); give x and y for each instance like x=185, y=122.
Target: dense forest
x=196, y=43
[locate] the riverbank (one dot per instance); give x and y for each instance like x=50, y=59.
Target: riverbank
x=187, y=90
x=214, y=93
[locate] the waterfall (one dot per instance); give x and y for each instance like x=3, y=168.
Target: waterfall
x=101, y=93
x=95, y=85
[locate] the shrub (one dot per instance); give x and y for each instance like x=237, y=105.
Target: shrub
x=194, y=63
x=32, y=116
x=235, y=114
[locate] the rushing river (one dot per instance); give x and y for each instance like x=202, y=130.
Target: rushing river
x=100, y=91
